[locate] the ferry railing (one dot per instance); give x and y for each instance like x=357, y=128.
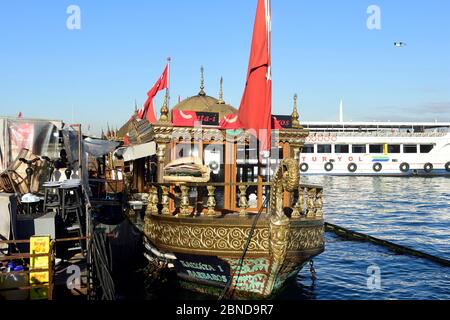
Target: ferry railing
x=175, y=199
x=379, y=134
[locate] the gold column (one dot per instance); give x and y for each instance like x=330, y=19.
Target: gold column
x=185, y=209
x=243, y=203
x=299, y=209
x=311, y=202
x=211, y=201
x=161, y=154
x=165, y=200
x=154, y=200
x=319, y=203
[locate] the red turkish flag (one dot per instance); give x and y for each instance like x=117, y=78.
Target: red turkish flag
x=148, y=110
x=182, y=118
x=230, y=122
x=255, y=111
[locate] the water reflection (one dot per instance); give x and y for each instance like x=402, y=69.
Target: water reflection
x=414, y=212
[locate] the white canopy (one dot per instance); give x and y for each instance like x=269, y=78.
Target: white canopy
x=139, y=151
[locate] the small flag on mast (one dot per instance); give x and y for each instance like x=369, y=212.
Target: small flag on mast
x=148, y=110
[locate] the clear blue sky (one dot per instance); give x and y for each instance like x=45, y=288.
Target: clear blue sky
x=322, y=50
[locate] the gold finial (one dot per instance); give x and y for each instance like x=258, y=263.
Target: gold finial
x=221, y=101
x=164, y=109
x=295, y=116
x=202, y=83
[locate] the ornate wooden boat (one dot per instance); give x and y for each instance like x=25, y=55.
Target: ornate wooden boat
x=223, y=233
x=251, y=255
x=252, y=225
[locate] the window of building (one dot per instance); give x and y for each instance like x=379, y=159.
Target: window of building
x=426, y=148
x=324, y=148
x=308, y=148
x=376, y=148
x=342, y=148
x=410, y=148
x=359, y=148
x=394, y=148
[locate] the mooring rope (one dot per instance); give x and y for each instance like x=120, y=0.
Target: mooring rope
x=349, y=234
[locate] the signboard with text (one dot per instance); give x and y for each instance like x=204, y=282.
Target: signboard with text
x=203, y=268
x=284, y=121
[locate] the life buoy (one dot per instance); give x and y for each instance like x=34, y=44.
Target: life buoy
x=377, y=167
x=304, y=167
x=312, y=138
x=328, y=166
x=334, y=138
x=404, y=167
x=213, y=165
x=352, y=167
x=447, y=166
x=428, y=167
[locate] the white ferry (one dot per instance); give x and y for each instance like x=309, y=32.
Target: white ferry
x=369, y=148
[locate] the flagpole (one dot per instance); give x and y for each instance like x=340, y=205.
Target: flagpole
x=168, y=81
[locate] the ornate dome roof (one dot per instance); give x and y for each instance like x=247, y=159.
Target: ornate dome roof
x=205, y=103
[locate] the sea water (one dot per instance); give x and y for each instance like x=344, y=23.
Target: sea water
x=414, y=212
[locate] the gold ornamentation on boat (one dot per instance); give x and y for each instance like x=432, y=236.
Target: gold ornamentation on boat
x=209, y=238
x=305, y=238
x=230, y=238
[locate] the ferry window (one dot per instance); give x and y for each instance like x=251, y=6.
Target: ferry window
x=341, y=148
x=394, y=148
x=324, y=148
x=308, y=148
x=426, y=148
x=359, y=148
x=376, y=148
x=410, y=148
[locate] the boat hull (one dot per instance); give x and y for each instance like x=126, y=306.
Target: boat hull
x=209, y=251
